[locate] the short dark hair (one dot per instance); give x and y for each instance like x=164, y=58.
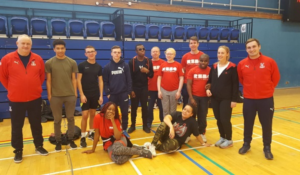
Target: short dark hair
x=115, y=47
x=194, y=109
x=89, y=46
x=252, y=39
x=58, y=42
x=204, y=56
x=194, y=38
x=137, y=46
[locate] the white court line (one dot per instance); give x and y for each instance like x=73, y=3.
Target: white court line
x=29, y=155
x=135, y=168
x=281, y=134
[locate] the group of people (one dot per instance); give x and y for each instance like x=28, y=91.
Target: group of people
x=145, y=81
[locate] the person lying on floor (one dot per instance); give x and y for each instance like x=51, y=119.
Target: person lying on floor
x=119, y=148
x=175, y=129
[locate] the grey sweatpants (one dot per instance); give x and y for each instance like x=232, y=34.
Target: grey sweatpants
x=169, y=102
x=56, y=104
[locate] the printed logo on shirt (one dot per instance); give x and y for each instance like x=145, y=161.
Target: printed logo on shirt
x=155, y=68
x=180, y=130
x=271, y=109
x=9, y=109
x=247, y=66
x=193, y=61
x=119, y=71
x=33, y=63
x=0, y=63
x=126, y=99
x=262, y=65
x=86, y=67
x=201, y=76
x=111, y=127
x=17, y=62
x=169, y=69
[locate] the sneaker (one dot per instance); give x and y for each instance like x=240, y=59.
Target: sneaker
x=147, y=145
x=226, y=144
x=72, y=144
x=18, y=156
x=203, y=138
x=82, y=142
x=146, y=129
x=131, y=129
x=129, y=109
x=146, y=153
x=126, y=134
x=40, y=150
x=187, y=140
x=152, y=150
x=268, y=153
x=58, y=147
x=244, y=149
x=219, y=142
x=91, y=136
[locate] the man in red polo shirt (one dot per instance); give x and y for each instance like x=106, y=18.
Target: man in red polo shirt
x=188, y=61
x=259, y=76
x=22, y=73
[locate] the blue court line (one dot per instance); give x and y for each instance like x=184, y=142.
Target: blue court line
x=201, y=167
x=198, y=165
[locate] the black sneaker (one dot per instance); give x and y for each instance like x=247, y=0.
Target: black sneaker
x=58, y=146
x=146, y=129
x=131, y=129
x=40, y=150
x=72, y=144
x=91, y=136
x=18, y=156
x=244, y=149
x=268, y=153
x=82, y=142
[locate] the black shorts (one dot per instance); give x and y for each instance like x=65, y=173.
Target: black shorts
x=91, y=103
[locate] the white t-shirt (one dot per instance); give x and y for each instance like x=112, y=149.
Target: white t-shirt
x=221, y=69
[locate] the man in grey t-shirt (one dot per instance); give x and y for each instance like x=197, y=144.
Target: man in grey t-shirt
x=61, y=87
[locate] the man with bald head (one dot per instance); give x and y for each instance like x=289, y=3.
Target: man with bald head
x=22, y=73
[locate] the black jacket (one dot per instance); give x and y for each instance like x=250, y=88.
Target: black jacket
x=226, y=86
x=140, y=79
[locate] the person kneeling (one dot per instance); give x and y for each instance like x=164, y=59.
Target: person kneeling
x=176, y=127
x=107, y=125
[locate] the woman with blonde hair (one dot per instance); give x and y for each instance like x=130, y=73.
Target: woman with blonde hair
x=169, y=82
x=223, y=85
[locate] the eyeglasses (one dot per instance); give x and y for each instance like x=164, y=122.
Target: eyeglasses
x=140, y=49
x=90, y=52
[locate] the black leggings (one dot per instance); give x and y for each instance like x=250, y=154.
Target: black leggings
x=222, y=111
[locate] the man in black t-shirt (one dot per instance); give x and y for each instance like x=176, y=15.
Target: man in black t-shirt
x=176, y=127
x=90, y=85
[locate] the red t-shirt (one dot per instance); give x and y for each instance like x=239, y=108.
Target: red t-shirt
x=170, y=73
x=189, y=61
x=199, y=78
x=152, y=82
x=105, y=127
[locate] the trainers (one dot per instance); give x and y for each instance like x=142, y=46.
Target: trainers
x=244, y=149
x=219, y=142
x=131, y=129
x=146, y=129
x=91, y=136
x=152, y=150
x=72, y=144
x=226, y=144
x=268, y=153
x=18, y=156
x=147, y=145
x=187, y=139
x=126, y=134
x=146, y=153
x=40, y=150
x=82, y=142
x=58, y=147
x=203, y=138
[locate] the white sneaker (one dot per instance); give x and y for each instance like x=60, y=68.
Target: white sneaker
x=203, y=138
x=147, y=145
x=226, y=144
x=219, y=142
x=152, y=150
x=187, y=139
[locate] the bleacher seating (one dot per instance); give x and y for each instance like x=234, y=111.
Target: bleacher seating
x=39, y=28
x=128, y=29
x=107, y=30
x=190, y=31
x=178, y=33
x=59, y=29
x=152, y=32
x=19, y=25
x=3, y=27
x=203, y=33
x=139, y=32
x=76, y=29
x=214, y=34
x=91, y=30
x=234, y=36
x=165, y=33
x=224, y=35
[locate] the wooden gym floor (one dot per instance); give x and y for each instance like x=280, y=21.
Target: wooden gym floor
x=191, y=159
